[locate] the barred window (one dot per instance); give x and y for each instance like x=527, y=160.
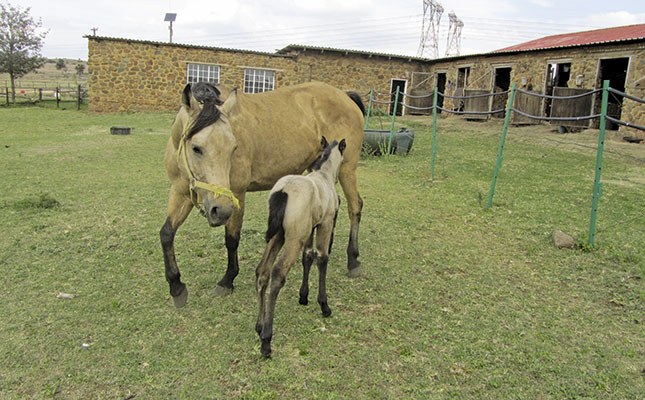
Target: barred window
x=203, y=73
x=258, y=80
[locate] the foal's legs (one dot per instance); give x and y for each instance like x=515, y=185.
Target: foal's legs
x=323, y=238
x=179, y=206
x=262, y=276
x=279, y=273
x=347, y=178
x=232, y=240
x=308, y=256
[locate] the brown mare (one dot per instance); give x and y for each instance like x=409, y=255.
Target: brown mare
x=224, y=144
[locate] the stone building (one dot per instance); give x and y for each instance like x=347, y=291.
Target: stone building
x=577, y=61
x=141, y=75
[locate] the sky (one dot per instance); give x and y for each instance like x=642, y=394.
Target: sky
x=381, y=26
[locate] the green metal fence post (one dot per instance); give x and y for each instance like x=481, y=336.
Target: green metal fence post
x=434, y=129
x=597, y=185
x=498, y=165
x=369, y=110
x=396, y=103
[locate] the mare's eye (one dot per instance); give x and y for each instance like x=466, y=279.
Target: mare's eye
x=197, y=150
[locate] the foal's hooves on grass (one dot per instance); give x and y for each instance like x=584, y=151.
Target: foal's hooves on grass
x=354, y=272
x=181, y=300
x=222, y=291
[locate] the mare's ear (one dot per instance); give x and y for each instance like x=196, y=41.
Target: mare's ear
x=324, y=143
x=185, y=96
x=230, y=102
x=341, y=146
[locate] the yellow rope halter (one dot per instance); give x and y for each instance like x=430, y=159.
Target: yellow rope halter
x=195, y=184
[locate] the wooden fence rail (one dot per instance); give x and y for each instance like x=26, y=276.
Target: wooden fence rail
x=35, y=95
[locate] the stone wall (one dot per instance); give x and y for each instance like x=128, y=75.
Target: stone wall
x=532, y=66
x=142, y=76
x=357, y=72
x=131, y=75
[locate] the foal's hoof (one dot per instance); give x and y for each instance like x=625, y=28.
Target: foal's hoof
x=354, y=272
x=222, y=291
x=181, y=300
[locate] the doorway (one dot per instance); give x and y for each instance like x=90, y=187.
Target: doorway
x=401, y=85
x=615, y=71
x=501, y=83
x=441, y=88
x=557, y=75
x=463, y=74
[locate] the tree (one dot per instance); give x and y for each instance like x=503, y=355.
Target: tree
x=60, y=64
x=80, y=68
x=20, y=42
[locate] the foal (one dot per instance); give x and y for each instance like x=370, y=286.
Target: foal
x=298, y=206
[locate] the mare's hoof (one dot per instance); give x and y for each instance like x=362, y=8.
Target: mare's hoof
x=303, y=301
x=181, y=300
x=222, y=291
x=265, y=348
x=326, y=311
x=354, y=272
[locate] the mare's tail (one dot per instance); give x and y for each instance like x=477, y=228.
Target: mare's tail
x=277, y=206
x=357, y=99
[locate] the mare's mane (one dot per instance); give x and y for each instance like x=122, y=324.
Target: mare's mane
x=208, y=95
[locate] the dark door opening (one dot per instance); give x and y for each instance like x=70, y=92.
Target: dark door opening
x=557, y=75
x=501, y=83
x=441, y=88
x=400, y=84
x=615, y=71
x=462, y=83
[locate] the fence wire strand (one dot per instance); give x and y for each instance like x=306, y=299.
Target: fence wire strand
x=527, y=115
x=546, y=96
x=627, y=96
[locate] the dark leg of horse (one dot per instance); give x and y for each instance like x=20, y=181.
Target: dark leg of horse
x=331, y=239
x=347, y=179
x=323, y=239
x=262, y=275
x=178, y=209
x=308, y=256
x=278, y=278
x=232, y=240
x=322, y=285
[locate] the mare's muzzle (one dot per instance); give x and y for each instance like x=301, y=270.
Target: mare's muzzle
x=217, y=210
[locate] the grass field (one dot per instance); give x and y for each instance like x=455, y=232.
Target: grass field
x=457, y=300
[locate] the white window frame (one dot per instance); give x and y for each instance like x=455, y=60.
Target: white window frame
x=197, y=72
x=258, y=80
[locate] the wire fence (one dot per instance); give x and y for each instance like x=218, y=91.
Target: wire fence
x=603, y=116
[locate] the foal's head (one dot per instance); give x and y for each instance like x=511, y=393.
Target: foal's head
x=331, y=158
x=210, y=145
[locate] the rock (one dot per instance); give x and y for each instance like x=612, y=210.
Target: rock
x=562, y=240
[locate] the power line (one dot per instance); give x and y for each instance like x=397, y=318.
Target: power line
x=381, y=30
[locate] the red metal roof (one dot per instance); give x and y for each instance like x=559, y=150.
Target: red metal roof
x=621, y=33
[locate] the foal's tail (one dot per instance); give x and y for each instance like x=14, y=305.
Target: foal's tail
x=277, y=205
x=357, y=99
